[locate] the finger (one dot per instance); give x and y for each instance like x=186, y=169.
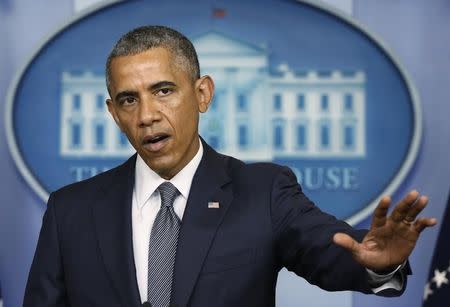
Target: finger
x=345, y=241
x=416, y=208
x=380, y=213
x=402, y=208
x=424, y=222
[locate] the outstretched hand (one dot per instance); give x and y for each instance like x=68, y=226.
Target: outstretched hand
x=390, y=239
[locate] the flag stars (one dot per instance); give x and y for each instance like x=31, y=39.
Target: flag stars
x=436, y=282
x=440, y=278
x=427, y=291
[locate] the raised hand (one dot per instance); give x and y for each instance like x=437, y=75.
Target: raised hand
x=390, y=239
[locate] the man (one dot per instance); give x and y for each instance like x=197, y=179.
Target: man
x=228, y=228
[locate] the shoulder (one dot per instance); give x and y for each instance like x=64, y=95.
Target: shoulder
x=259, y=172
x=82, y=190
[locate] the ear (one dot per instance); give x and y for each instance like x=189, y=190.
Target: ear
x=204, y=88
x=113, y=113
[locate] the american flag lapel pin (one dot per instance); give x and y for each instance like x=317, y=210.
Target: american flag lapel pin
x=213, y=205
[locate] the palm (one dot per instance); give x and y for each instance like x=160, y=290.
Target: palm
x=390, y=239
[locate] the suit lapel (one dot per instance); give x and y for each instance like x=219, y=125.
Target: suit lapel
x=112, y=219
x=211, y=183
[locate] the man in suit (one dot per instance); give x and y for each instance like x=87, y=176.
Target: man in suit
x=236, y=224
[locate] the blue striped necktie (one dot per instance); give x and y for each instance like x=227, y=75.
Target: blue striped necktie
x=162, y=248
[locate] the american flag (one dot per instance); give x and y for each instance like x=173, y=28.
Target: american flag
x=437, y=289
x=219, y=12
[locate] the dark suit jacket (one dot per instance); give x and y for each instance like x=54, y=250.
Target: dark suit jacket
x=228, y=256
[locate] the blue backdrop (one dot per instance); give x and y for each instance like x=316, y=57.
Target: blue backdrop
x=417, y=33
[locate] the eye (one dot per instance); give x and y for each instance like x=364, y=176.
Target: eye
x=127, y=101
x=164, y=92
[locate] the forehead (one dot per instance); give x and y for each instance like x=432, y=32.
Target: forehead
x=156, y=58
x=155, y=63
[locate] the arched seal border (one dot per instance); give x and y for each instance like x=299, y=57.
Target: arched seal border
x=356, y=218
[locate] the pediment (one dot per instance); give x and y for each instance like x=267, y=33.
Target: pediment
x=215, y=43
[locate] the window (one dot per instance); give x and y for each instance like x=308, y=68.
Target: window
x=348, y=103
x=278, y=133
x=76, y=102
x=75, y=135
x=301, y=136
x=324, y=105
x=301, y=102
x=99, y=102
x=349, y=136
x=277, y=102
x=99, y=135
x=324, y=136
x=243, y=135
x=123, y=141
x=242, y=103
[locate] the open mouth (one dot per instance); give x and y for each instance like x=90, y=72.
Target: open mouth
x=155, y=142
x=155, y=139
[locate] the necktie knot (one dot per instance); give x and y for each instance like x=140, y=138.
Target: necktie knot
x=168, y=193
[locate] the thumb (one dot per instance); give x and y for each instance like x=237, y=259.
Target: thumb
x=345, y=241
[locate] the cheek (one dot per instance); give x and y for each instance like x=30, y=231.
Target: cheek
x=189, y=122
x=183, y=118
x=127, y=127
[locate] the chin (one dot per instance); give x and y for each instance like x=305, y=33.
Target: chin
x=160, y=167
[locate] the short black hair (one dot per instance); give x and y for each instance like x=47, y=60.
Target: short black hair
x=147, y=37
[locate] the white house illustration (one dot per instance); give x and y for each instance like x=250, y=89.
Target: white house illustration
x=259, y=112
x=87, y=129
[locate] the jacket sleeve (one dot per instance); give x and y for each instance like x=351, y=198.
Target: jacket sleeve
x=304, y=238
x=45, y=286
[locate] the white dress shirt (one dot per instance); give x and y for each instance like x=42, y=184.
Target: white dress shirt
x=146, y=204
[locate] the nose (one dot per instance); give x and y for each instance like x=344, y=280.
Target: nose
x=148, y=112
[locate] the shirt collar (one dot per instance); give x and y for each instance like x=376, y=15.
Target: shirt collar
x=147, y=180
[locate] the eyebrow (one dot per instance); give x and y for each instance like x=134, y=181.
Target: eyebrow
x=125, y=94
x=160, y=85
